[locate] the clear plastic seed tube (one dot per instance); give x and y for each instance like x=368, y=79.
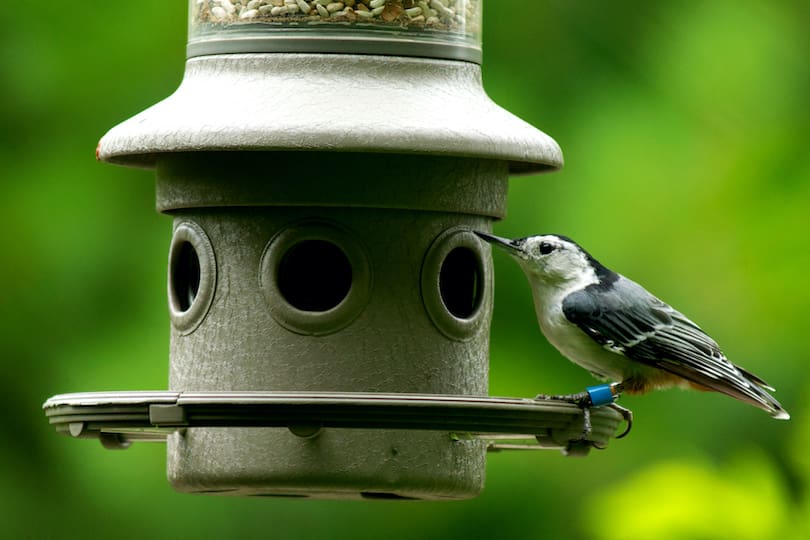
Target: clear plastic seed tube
x=431, y=28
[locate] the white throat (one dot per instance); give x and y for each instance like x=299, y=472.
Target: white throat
x=548, y=294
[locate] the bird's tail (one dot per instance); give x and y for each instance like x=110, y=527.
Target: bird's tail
x=766, y=402
x=754, y=392
x=757, y=391
x=744, y=386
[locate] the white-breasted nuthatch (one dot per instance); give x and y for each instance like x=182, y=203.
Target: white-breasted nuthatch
x=617, y=330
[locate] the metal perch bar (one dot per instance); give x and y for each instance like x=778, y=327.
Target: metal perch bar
x=124, y=417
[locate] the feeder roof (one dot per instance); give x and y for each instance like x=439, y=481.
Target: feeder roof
x=331, y=102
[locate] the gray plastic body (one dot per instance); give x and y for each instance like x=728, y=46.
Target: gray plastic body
x=396, y=219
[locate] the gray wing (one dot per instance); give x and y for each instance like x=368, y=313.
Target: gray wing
x=625, y=318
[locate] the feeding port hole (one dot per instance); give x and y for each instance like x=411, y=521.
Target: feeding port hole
x=460, y=282
x=314, y=275
x=192, y=276
x=185, y=277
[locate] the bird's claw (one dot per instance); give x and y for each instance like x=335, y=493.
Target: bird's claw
x=627, y=415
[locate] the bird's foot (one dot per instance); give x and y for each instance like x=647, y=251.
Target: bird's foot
x=580, y=399
x=594, y=396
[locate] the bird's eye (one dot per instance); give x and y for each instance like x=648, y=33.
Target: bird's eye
x=546, y=248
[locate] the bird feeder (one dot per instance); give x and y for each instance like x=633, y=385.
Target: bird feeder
x=325, y=164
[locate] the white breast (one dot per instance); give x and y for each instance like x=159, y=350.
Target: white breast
x=572, y=342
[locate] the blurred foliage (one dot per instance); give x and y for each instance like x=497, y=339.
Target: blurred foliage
x=684, y=125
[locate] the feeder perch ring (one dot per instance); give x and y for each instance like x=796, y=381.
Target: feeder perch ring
x=119, y=418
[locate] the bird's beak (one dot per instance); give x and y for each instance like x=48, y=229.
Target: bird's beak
x=510, y=246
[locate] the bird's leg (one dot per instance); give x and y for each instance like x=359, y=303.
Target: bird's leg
x=587, y=427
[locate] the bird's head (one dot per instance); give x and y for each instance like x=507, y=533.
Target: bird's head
x=549, y=258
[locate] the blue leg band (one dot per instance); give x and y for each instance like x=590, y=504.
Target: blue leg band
x=600, y=395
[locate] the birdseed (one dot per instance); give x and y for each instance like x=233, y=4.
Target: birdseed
x=453, y=16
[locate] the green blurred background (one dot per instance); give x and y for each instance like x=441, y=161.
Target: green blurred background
x=685, y=127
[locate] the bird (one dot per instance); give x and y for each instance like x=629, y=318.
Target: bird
x=620, y=332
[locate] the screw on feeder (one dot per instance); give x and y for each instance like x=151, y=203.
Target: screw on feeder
x=269, y=195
